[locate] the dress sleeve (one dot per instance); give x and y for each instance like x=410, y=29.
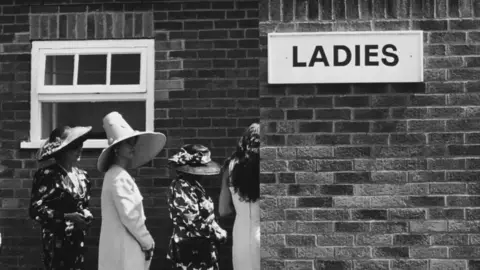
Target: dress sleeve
x=186, y=211
x=88, y=184
x=129, y=210
x=85, y=206
x=43, y=189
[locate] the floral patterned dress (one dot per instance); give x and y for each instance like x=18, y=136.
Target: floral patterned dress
x=53, y=195
x=196, y=233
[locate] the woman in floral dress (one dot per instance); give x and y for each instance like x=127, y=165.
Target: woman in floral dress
x=196, y=233
x=59, y=200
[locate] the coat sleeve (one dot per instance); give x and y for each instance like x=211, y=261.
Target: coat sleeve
x=43, y=189
x=186, y=211
x=129, y=210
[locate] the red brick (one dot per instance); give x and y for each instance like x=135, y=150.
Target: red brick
x=391, y=25
x=444, y=62
x=434, y=50
x=448, y=37
x=463, y=74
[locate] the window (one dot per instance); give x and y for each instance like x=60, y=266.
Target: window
x=77, y=83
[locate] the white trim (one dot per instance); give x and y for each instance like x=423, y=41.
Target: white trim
x=90, y=97
x=92, y=89
x=76, y=60
x=106, y=43
x=89, y=144
x=145, y=91
x=88, y=88
x=109, y=68
x=276, y=34
x=35, y=109
x=150, y=73
x=421, y=58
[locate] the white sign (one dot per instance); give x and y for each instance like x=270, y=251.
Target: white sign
x=345, y=57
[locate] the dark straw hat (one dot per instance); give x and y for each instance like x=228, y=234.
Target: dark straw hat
x=195, y=159
x=60, y=138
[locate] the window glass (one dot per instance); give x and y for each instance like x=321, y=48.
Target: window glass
x=92, y=69
x=90, y=114
x=59, y=70
x=125, y=69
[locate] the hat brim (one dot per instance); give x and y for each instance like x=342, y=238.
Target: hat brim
x=211, y=168
x=79, y=134
x=148, y=145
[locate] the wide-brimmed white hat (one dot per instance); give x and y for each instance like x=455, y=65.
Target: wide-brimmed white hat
x=60, y=138
x=148, y=145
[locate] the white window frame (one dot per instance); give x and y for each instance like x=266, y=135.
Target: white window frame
x=145, y=91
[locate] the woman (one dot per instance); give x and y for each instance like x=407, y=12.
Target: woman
x=60, y=197
x=240, y=193
x=196, y=234
x=125, y=242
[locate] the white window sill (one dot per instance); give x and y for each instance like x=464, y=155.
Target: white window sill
x=89, y=144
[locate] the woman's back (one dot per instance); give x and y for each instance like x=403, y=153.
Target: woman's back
x=245, y=211
x=246, y=233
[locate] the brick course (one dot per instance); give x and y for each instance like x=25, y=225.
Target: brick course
x=206, y=91
x=373, y=176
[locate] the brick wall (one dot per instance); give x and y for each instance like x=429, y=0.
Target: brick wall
x=374, y=176
x=206, y=91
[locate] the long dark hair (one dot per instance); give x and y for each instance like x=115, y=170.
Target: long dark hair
x=245, y=175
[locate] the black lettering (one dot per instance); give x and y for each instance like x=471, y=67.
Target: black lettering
x=336, y=49
x=369, y=54
x=323, y=57
x=357, y=55
x=392, y=55
x=295, y=58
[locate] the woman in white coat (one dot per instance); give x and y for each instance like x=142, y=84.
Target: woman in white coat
x=125, y=242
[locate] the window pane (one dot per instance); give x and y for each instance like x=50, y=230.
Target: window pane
x=59, y=70
x=125, y=69
x=92, y=69
x=90, y=114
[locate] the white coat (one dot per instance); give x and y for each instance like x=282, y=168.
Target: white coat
x=123, y=233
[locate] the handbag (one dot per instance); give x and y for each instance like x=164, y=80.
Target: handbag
x=195, y=250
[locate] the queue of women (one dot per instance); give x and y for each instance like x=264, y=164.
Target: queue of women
x=61, y=194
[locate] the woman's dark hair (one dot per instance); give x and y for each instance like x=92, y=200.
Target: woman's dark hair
x=111, y=157
x=245, y=175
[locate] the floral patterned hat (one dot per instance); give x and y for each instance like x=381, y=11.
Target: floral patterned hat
x=250, y=141
x=60, y=138
x=195, y=159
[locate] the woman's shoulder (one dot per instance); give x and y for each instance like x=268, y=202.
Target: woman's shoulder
x=48, y=171
x=117, y=172
x=179, y=184
x=81, y=171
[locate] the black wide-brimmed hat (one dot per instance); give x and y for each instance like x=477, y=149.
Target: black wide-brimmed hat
x=195, y=159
